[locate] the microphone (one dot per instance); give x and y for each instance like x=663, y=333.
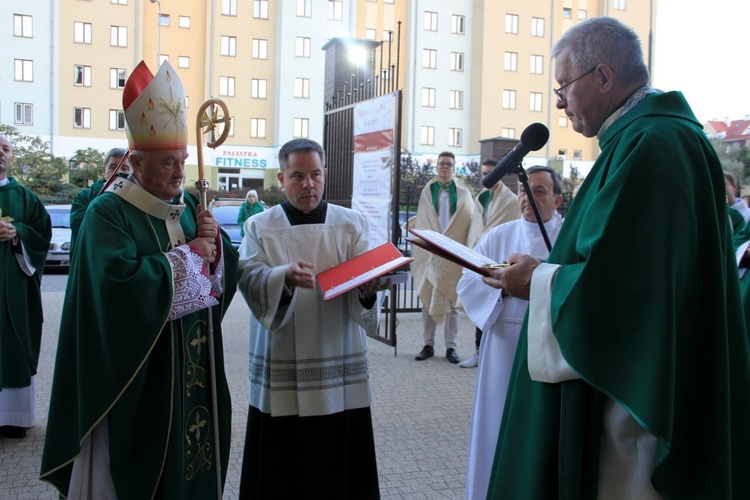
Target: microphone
x=534, y=137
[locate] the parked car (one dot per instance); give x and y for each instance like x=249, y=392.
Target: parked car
x=226, y=211
x=59, y=248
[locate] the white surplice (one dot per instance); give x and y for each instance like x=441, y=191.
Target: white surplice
x=307, y=356
x=500, y=320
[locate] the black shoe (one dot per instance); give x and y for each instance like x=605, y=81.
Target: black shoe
x=450, y=353
x=11, y=431
x=427, y=352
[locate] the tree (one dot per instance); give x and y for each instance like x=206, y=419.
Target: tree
x=86, y=167
x=569, y=186
x=412, y=179
x=37, y=168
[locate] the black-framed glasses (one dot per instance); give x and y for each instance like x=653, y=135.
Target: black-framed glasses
x=559, y=92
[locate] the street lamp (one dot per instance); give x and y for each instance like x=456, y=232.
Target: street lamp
x=158, y=24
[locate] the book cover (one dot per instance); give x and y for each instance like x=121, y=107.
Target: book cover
x=361, y=269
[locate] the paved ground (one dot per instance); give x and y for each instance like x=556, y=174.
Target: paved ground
x=421, y=410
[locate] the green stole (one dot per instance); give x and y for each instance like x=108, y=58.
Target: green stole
x=484, y=198
x=451, y=188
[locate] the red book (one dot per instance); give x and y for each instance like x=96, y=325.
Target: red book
x=361, y=269
x=449, y=249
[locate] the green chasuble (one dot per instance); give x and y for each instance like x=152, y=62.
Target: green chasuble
x=20, y=296
x=646, y=309
x=79, y=205
x=120, y=357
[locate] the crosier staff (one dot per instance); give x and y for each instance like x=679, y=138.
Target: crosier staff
x=206, y=124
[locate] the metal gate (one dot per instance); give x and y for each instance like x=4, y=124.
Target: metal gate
x=338, y=142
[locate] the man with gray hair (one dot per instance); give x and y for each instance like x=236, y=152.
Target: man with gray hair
x=632, y=374
x=81, y=202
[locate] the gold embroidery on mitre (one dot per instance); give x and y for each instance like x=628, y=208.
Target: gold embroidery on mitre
x=169, y=76
x=152, y=131
x=173, y=111
x=144, y=118
x=151, y=104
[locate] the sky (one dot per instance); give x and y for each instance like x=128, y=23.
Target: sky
x=701, y=50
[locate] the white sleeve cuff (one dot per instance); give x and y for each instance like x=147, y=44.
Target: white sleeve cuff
x=546, y=363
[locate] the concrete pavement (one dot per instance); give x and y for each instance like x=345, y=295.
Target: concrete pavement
x=421, y=410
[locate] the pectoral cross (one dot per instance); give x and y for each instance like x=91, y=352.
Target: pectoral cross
x=7, y=218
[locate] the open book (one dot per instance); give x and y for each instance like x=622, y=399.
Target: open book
x=449, y=249
x=361, y=269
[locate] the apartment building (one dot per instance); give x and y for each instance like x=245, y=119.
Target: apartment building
x=469, y=70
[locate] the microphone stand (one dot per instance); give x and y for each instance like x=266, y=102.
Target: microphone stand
x=525, y=181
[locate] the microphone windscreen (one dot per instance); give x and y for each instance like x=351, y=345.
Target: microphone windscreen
x=535, y=136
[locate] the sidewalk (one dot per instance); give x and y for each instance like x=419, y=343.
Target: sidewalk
x=420, y=410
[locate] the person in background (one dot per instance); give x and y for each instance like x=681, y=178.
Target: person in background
x=131, y=410
x=83, y=198
x=250, y=207
x=632, y=373
x=733, y=199
x=445, y=206
x=309, y=427
x=25, y=234
x=500, y=316
x=492, y=207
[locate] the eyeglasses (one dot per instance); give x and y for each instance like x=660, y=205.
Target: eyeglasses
x=445, y=164
x=559, y=92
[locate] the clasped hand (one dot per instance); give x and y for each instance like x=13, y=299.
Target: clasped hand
x=7, y=231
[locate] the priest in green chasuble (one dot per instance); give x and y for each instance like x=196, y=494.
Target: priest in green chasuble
x=632, y=374
x=131, y=410
x=25, y=233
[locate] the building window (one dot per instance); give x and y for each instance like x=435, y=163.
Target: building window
x=301, y=128
x=510, y=61
x=302, y=47
x=457, y=61
x=24, y=114
x=162, y=58
x=302, y=88
x=82, y=117
x=430, y=21
x=231, y=125
x=228, y=7
x=258, y=88
x=582, y=14
x=260, y=9
x=22, y=25
x=577, y=154
x=82, y=75
x=260, y=48
x=509, y=99
x=24, y=70
x=454, y=137
x=117, y=77
x=164, y=20
x=427, y=135
x=509, y=133
x=335, y=10
x=118, y=36
x=620, y=4
x=537, y=26
x=370, y=33
x=183, y=61
x=82, y=32
x=458, y=24
x=119, y=2
x=456, y=99
x=258, y=128
x=562, y=154
x=537, y=64
x=304, y=8
x=567, y=13
x=226, y=86
x=511, y=23
x=228, y=46
x=183, y=21
x=429, y=58
x=388, y=1
x=428, y=97
x=116, y=119
x=535, y=101
x=562, y=122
